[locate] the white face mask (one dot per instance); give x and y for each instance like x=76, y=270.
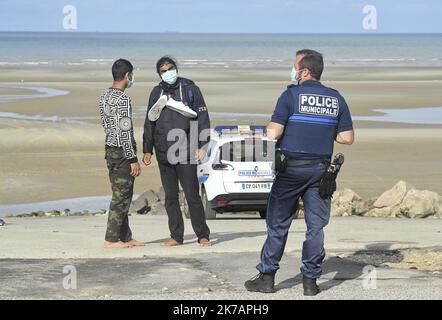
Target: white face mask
x=130, y=82
x=296, y=76
x=170, y=76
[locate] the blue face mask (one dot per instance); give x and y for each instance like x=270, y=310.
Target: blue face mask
x=130, y=82
x=293, y=75
x=170, y=76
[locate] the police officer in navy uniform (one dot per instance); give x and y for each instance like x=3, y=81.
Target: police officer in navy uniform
x=308, y=118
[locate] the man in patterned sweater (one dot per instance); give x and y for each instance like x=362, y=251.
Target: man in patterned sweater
x=120, y=155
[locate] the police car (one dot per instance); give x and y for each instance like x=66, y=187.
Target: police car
x=236, y=173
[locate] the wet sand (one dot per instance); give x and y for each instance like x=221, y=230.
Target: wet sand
x=46, y=160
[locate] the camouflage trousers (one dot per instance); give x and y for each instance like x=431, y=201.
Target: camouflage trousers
x=122, y=184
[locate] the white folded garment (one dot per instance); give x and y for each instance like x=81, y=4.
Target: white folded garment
x=180, y=107
x=155, y=111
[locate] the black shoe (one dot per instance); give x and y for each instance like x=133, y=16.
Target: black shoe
x=310, y=287
x=262, y=282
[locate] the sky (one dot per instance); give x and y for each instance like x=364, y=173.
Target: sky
x=223, y=16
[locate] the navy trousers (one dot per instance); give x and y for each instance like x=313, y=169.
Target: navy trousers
x=294, y=183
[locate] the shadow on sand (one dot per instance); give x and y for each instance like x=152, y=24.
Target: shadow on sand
x=351, y=267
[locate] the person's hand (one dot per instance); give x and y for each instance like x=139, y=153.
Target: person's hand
x=146, y=158
x=200, y=153
x=135, y=169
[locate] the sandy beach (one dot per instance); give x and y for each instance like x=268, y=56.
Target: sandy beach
x=58, y=158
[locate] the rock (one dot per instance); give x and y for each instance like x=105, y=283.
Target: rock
x=158, y=209
x=100, y=215
x=439, y=212
x=343, y=202
x=144, y=203
x=361, y=207
x=150, y=196
x=419, y=204
x=53, y=213
x=386, y=212
x=2, y=222
x=20, y=215
x=140, y=205
x=38, y=214
x=394, y=196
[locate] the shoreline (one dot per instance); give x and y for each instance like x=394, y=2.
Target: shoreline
x=80, y=204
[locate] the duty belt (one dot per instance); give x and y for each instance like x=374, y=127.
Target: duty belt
x=297, y=163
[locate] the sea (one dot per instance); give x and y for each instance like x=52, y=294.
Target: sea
x=60, y=49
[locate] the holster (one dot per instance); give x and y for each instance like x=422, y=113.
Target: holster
x=327, y=184
x=280, y=161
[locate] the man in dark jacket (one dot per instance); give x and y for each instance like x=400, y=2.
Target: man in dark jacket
x=178, y=133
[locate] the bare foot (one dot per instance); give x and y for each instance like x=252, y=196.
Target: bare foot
x=205, y=242
x=116, y=245
x=135, y=243
x=171, y=243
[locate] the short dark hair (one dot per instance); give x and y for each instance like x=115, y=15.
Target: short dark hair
x=306, y=51
x=120, y=68
x=166, y=60
x=313, y=62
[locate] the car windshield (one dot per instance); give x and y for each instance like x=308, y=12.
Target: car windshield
x=248, y=150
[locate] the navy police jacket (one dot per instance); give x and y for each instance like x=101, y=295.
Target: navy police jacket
x=312, y=115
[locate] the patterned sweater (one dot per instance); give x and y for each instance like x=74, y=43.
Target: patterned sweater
x=116, y=118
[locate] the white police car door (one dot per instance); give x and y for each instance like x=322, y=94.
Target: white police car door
x=250, y=162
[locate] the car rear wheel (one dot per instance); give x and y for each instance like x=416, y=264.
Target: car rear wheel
x=210, y=213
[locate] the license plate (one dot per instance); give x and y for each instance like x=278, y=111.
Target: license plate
x=256, y=186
